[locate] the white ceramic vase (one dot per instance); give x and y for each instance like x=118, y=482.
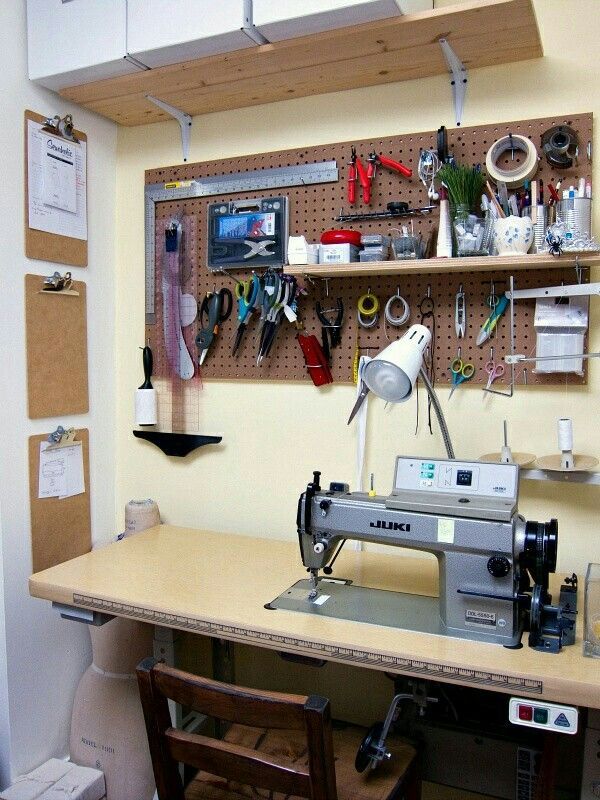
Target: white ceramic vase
x=513, y=235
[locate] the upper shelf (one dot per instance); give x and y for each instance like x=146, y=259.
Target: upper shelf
x=481, y=32
x=433, y=265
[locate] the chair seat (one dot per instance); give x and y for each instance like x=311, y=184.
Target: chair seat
x=386, y=781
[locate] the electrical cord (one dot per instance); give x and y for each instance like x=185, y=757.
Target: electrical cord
x=396, y=322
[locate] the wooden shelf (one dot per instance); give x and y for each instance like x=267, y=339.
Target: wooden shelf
x=482, y=33
x=433, y=265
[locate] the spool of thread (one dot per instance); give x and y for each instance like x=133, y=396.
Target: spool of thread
x=139, y=515
x=146, y=407
x=565, y=435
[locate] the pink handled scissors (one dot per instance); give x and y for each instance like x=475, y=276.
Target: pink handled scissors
x=494, y=372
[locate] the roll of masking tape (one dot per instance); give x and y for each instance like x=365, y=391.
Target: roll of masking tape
x=523, y=172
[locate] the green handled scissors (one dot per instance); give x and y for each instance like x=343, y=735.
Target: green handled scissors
x=461, y=372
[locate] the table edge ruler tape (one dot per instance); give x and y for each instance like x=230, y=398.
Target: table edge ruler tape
x=253, y=180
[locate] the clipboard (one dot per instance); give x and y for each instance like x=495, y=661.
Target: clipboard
x=41, y=244
x=60, y=529
x=57, y=361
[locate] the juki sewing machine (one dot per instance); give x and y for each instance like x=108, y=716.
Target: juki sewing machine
x=494, y=565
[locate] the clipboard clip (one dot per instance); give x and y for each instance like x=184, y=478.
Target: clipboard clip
x=57, y=282
x=62, y=438
x=61, y=126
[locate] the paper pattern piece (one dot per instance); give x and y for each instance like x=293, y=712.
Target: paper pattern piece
x=61, y=471
x=56, y=183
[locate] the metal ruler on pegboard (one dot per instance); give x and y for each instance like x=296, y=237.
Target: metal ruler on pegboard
x=313, y=209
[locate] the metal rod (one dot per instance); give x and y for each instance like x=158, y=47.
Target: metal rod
x=519, y=359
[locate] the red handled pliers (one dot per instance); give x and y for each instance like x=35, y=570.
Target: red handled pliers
x=356, y=170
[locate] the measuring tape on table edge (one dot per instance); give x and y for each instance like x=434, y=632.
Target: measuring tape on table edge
x=513, y=177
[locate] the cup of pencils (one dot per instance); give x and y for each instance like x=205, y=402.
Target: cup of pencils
x=513, y=235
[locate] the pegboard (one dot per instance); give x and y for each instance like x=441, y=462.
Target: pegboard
x=313, y=209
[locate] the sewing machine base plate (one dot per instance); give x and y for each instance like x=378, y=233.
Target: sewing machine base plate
x=342, y=600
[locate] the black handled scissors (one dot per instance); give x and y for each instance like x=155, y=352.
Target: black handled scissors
x=215, y=308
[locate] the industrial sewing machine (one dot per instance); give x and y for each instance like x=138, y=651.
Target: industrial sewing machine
x=494, y=565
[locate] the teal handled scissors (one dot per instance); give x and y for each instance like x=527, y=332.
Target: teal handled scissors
x=246, y=293
x=461, y=372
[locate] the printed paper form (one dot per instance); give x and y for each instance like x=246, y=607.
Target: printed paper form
x=61, y=471
x=56, y=183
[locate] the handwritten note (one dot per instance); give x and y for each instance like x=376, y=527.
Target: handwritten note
x=61, y=471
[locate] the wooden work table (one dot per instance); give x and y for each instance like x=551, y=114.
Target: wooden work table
x=217, y=584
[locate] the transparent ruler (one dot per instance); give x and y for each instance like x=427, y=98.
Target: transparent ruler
x=256, y=180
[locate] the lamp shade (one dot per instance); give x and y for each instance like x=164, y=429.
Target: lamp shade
x=392, y=374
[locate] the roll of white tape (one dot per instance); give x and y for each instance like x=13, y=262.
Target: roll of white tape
x=141, y=514
x=565, y=434
x=146, y=407
x=523, y=172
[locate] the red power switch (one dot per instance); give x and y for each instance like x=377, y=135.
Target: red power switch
x=526, y=713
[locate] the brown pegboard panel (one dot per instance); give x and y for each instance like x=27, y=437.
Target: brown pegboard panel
x=312, y=210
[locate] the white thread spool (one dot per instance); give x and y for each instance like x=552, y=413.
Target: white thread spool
x=146, y=407
x=565, y=442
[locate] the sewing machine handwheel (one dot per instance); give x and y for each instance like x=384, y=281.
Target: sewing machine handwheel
x=366, y=751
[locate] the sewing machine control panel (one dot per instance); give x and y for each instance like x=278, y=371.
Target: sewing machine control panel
x=467, y=479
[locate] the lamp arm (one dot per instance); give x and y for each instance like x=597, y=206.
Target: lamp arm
x=439, y=414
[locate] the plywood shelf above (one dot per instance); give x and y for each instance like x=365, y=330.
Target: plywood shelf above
x=439, y=265
x=482, y=33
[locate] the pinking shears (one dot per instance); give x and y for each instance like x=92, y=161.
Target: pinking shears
x=215, y=309
x=246, y=293
x=461, y=372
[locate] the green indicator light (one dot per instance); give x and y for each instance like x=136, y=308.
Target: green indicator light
x=540, y=715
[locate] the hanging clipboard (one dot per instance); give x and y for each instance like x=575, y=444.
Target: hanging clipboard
x=57, y=361
x=60, y=528
x=43, y=244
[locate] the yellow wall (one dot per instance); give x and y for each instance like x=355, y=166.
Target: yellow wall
x=275, y=434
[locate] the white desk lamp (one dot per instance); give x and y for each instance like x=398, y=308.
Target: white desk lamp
x=393, y=372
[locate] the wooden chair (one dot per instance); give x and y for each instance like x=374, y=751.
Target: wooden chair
x=282, y=743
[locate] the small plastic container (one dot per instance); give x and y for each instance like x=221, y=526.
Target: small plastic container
x=591, y=618
x=373, y=254
x=407, y=247
x=473, y=235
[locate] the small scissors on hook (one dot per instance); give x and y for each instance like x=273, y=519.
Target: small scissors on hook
x=461, y=372
x=494, y=371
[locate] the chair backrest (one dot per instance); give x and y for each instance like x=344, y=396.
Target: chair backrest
x=159, y=683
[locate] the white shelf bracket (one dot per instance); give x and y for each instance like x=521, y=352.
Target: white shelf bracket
x=458, y=78
x=184, y=120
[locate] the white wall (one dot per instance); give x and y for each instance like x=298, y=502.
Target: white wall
x=4, y=718
x=45, y=656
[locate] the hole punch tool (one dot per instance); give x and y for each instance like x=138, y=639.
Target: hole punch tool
x=331, y=330
x=216, y=308
x=461, y=372
x=246, y=293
